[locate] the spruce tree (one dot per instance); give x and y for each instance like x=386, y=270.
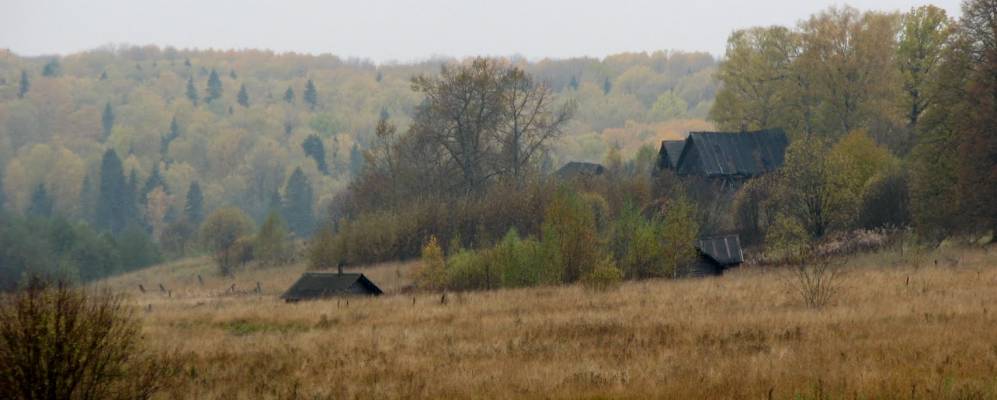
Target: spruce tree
x=214, y=87
x=165, y=140
x=311, y=95
x=231, y=74
x=315, y=149
x=606, y=86
x=356, y=160
x=24, y=86
x=103, y=76
x=573, y=83
x=191, y=91
x=289, y=95
x=155, y=180
x=107, y=121
x=41, y=202
x=193, y=210
x=111, y=212
x=243, y=97
x=88, y=200
x=51, y=68
x=298, y=199
x=133, y=216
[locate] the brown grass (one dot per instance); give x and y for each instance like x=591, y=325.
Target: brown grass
x=893, y=331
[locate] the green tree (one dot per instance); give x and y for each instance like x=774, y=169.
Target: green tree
x=88, y=200
x=289, y=95
x=214, y=89
x=194, y=207
x=24, y=86
x=679, y=235
x=192, y=91
x=106, y=121
x=272, y=243
x=298, y=201
x=311, y=94
x=243, y=97
x=923, y=35
x=607, y=86
x=315, y=149
x=154, y=180
x=112, y=209
x=221, y=231
x=811, y=191
x=569, y=226
x=41, y=202
x=756, y=74
x=52, y=68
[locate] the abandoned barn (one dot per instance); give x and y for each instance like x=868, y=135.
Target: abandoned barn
x=727, y=155
x=318, y=285
x=668, y=155
x=715, y=254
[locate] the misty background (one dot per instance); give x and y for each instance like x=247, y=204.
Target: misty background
x=385, y=31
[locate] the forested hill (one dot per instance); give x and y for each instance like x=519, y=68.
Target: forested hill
x=239, y=122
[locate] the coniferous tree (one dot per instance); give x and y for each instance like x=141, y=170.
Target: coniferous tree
x=191, y=91
x=111, y=214
x=314, y=148
x=573, y=83
x=107, y=121
x=214, y=87
x=289, y=95
x=194, y=208
x=52, y=68
x=155, y=180
x=41, y=202
x=311, y=94
x=24, y=86
x=164, y=142
x=298, y=198
x=607, y=86
x=243, y=97
x=132, y=214
x=103, y=76
x=231, y=74
x=356, y=160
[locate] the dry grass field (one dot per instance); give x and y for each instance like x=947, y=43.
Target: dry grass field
x=895, y=330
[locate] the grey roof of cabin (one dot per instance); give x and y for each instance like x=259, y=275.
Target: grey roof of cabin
x=668, y=155
x=577, y=168
x=734, y=153
x=314, y=285
x=725, y=250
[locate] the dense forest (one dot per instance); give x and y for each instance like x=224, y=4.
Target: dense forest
x=889, y=116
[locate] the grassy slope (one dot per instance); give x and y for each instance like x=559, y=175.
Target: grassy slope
x=893, y=332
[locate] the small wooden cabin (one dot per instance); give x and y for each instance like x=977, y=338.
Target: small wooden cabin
x=715, y=254
x=319, y=285
x=732, y=155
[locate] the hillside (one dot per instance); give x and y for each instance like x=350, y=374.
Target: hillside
x=240, y=134
x=901, y=327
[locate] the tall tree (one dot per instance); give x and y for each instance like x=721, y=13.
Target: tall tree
x=41, y=202
x=289, y=95
x=194, y=207
x=52, y=68
x=924, y=34
x=311, y=94
x=192, y=91
x=106, y=121
x=356, y=160
x=112, y=209
x=165, y=140
x=214, y=89
x=155, y=180
x=24, y=86
x=531, y=121
x=243, y=97
x=315, y=149
x=607, y=86
x=88, y=199
x=298, y=200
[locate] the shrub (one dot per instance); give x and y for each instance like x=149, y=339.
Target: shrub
x=57, y=342
x=521, y=262
x=221, y=230
x=816, y=280
x=432, y=274
x=604, y=276
x=272, y=245
x=886, y=201
x=471, y=270
x=679, y=233
x=570, y=226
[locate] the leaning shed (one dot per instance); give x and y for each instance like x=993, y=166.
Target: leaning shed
x=578, y=169
x=668, y=155
x=714, y=255
x=317, y=285
x=733, y=155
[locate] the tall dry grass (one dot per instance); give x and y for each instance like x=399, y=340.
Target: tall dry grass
x=894, y=330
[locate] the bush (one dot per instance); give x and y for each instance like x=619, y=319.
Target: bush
x=569, y=225
x=273, y=245
x=603, y=277
x=57, y=342
x=521, y=262
x=471, y=270
x=886, y=201
x=220, y=232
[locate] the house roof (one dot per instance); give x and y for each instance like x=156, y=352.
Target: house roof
x=314, y=285
x=725, y=250
x=734, y=153
x=575, y=169
x=668, y=155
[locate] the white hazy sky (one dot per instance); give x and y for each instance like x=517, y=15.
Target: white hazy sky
x=404, y=30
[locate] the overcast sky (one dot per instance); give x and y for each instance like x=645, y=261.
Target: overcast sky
x=400, y=30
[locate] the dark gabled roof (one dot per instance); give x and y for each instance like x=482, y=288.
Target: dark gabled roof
x=316, y=285
x=576, y=169
x=733, y=153
x=725, y=250
x=668, y=155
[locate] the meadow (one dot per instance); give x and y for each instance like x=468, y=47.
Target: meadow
x=901, y=326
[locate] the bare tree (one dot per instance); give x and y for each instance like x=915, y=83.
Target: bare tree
x=531, y=121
